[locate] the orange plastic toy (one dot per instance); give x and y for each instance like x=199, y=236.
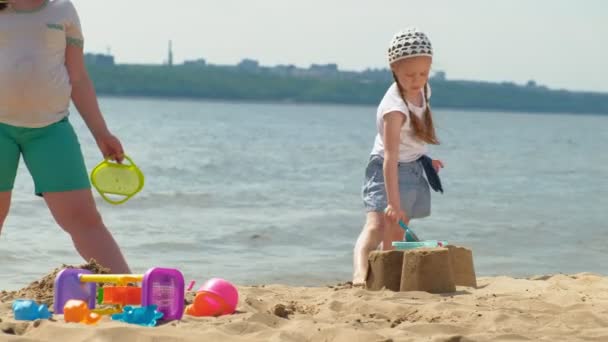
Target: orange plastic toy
x=206, y=304
x=77, y=311
x=122, y=295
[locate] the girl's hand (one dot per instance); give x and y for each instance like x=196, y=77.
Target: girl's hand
x=394, y=215
x=437, y=164
x=110, y=147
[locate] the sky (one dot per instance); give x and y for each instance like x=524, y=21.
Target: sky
x=562, y=44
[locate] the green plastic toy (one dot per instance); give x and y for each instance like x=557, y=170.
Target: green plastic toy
x=112, y=178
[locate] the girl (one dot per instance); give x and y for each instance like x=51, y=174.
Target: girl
x=41, y=69
x=395, y=188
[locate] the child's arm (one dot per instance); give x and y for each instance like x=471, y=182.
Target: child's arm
x=85, y=100
x=392, y=137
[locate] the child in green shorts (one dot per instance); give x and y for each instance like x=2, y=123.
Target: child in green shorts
x=41, y=69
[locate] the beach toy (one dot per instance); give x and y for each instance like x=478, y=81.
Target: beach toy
x=409, y=233
x=29, y=310
x=145, y=315
x=412, y=241
x=163, y=287
x=205, y=305
x=191, y=285
x=224, y=291
x=68, y=286
x=77, y=311
x=404, y=245
x=215, y=298
x=121, y=295
x=122, y=180
x=100, y=295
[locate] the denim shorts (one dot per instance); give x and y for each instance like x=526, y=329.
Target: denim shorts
x=52, y=155
x=414, y=189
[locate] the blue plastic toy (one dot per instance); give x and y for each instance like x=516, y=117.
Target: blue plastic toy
x=410, y=236
x=145, y=316
x=29, y=310
x=404, y=245
x=412, y=240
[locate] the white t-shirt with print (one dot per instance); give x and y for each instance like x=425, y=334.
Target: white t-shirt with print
x=410, y=148
x=35, y=87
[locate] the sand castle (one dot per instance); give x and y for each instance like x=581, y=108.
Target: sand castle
x=434, y=270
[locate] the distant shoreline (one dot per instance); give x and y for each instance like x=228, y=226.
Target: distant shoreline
x=318, y=104
x=231, y=84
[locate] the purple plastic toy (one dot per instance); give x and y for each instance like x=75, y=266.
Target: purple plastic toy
x=68, y=286
x=165, y=288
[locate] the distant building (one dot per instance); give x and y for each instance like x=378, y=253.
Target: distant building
x=170, y=54
x=196, y=62
x=439, y=76
x=98, y=59
x=284, y=70
x=249, y=65
x=371, y=75
x=322, y=70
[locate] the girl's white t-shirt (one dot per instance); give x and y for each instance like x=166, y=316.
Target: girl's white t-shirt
x=35, y=87
x=410, y=148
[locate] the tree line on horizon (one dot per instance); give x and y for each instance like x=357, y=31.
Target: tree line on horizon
x=225, y=83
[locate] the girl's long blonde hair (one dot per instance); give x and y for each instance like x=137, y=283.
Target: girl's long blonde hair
x=424, y=129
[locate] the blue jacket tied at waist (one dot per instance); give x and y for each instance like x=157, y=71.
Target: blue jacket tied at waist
x=431, y=174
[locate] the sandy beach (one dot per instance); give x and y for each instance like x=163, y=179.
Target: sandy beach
x=544, y=308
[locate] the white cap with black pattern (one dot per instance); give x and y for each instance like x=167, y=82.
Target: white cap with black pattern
x=409, y=43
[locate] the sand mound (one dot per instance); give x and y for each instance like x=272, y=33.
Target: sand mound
x=42, y=290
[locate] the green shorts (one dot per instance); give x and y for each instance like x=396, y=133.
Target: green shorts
x=52, y=155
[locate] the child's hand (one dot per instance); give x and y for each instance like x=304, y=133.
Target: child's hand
x=394, y=215
x=437, y=164
x=110, y=147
